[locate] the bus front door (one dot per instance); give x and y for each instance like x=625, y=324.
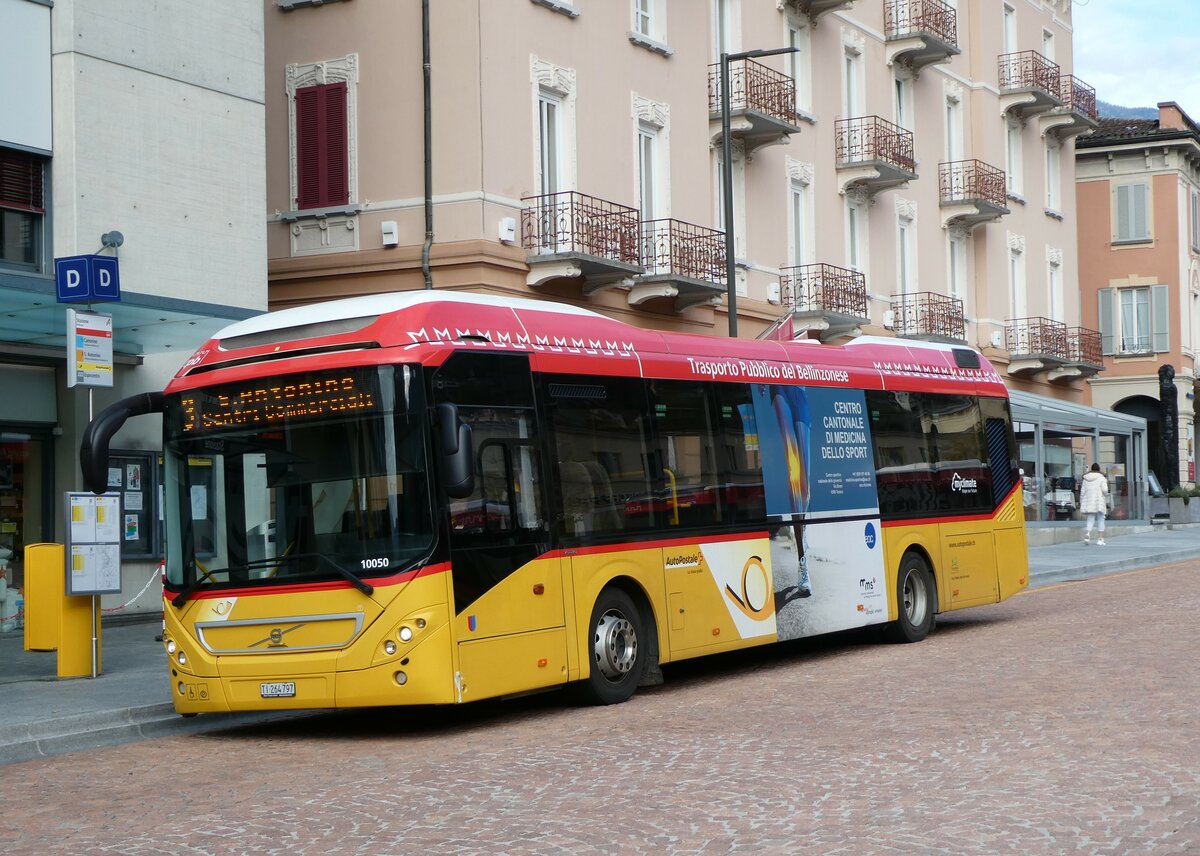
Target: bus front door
x=508, y=602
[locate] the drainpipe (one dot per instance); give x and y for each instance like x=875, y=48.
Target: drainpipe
x=428, y=146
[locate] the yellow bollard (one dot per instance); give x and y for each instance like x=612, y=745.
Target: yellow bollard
x=75, y=636
x=45, y=573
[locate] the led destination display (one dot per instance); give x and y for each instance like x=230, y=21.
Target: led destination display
x=268, y=402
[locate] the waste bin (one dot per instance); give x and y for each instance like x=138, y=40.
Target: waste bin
x=44, y=573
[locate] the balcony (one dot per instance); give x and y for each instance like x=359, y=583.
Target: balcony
x=825, y=298
x=920, y=33
x=1036, y=345
x=972, y=192
x=873, y=154
x=1084, y=353
x=929, y=316
x=570, y=235
x=682, y=261
x=815, y=8
x=762, y=104
x=1029, y=84
x=1078, y=113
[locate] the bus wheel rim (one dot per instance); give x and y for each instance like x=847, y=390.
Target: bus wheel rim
x=914, y=598
x=615, y=645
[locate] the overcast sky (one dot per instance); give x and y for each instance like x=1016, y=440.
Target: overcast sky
x=1139, y=52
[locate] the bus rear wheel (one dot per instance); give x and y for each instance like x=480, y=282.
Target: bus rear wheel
x=617, y=649
x=914, y=600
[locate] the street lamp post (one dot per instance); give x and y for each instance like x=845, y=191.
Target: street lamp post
x=727, y=176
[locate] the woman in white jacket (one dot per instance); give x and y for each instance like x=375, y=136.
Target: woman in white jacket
x=1093, y=501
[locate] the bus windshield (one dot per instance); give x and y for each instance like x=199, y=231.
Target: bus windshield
x=296, y=478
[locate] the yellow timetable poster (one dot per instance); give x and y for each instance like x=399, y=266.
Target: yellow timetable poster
x=95, y=568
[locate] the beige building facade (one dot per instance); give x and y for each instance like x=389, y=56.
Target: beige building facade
x=1138, y=191
x=905, y=168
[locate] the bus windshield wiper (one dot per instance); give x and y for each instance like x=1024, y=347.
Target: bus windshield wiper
x=362, y=585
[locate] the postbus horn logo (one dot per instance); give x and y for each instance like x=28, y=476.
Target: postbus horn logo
x=755, y=598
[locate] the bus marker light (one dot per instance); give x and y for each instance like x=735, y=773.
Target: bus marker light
x=542, y=662
x=420, y=623
x=389, y=647
x=171, y=646
x=539, y=589
x=182, y=658
x=406, y=634
x=401, y=678
x=182, y=691
x=716, y=631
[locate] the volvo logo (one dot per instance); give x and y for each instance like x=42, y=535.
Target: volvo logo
x=274, y=638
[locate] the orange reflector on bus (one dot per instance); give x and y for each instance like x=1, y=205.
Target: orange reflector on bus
x=538, y=588
x=542, y=662
x=716, y=631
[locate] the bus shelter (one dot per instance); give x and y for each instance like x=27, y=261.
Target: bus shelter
x=1058, y=441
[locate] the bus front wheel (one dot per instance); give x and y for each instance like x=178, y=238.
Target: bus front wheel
x=616, y=647
x=914, y=600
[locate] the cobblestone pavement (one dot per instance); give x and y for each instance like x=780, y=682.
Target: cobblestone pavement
x=1062, y=721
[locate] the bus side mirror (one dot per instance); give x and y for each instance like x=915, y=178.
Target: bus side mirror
x=455, y=455
x=93, y=448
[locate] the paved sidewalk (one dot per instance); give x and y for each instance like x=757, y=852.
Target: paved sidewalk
x=42, y=715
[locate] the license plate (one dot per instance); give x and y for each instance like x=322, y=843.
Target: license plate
x=278, y=689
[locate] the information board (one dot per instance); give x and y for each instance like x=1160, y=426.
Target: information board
x=93, y=550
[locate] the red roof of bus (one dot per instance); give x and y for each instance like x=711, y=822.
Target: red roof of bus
x=428, y=326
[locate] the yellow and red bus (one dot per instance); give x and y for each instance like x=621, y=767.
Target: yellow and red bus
x=436, y=498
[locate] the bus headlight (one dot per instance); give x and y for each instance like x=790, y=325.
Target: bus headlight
x=182, y=658
x=170, y=646
x=401, y=678
x=406, y=634
x=389, y=647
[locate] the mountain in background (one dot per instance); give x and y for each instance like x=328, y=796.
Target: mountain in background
x=1116, y=111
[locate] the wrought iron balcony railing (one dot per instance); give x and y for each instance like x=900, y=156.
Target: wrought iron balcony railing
x=825, y=288
x=927, y=313
x=1084, y=346
x=571, y=222
x=1040, y=336
x=871, y=138
x=970, y=180
x=673, y=247
x=754, y=86
x=1078, y=97
x=909, y=17
x=1029, y=70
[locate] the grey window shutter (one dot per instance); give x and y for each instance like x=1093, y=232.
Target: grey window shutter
x=1124, y=224
x=1141, y=222
x=1105, y=296
x=1159, y=317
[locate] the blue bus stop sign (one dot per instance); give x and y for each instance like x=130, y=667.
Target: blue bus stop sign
x=87, y=278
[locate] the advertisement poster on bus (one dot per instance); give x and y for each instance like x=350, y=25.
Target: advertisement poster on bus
x=819, y=477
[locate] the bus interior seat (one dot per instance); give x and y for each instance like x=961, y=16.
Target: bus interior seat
x=604, y=512
x=577, y=498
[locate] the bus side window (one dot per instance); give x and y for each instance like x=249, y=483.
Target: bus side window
x=683, y=440
x=739, y=464
x=903, y=460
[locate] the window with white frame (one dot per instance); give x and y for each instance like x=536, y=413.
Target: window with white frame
x=954, y=129
x=1048, y=45
x=1131, y=207
x=799, y=64
x=1053, y=176
x=1016, y=283
x=1196, y=221
x=1054, y=287
x=906, y=262
x=725, y=28
x=1134, y=319
x=956, y=265
x=798, y=223
x=856, y=234
x=1012, y=141
x=549, y=143
x=648, y=25
x=647, y=153
x=1010, y=28
x=902, y=87
x=851, y=83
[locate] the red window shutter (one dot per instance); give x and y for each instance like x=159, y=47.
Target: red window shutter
x=322, y=146
x=337, y=144
x=21, y=182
